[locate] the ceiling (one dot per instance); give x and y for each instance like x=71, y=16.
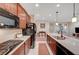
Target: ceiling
x=47, y=11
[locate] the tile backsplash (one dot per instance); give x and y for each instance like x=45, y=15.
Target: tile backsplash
x=7, y=34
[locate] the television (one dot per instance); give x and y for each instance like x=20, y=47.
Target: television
x=77, y=30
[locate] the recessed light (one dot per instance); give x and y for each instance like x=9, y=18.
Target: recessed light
x=58, y=5
x=57, y=24
x=36, y=5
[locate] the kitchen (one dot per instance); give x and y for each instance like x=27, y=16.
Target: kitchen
x=39, y=29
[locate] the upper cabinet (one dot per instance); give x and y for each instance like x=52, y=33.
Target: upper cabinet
x=10, y=7
x=17, y=10
x=7, y=18
x=22, y=17
x=28, y=19
x=2, y=5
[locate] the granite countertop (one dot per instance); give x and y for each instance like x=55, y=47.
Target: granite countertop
x=24, y=38
x=14, y=45
x=71, y=43
x=11, y=34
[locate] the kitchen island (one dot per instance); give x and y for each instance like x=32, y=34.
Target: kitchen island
x=68, y=45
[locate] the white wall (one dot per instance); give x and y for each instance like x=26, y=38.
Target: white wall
x=51, y=27
x=69, y=30
x=54, y=28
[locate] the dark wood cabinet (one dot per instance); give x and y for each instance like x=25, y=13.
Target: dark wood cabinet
x=27, y=45
x=2, y=5
x=22, y=17
x=18, y=10
x=56, y=48
x=62, y=50
x=20, y=50
x=10, y=7
x=52, y=44
x=24, y=48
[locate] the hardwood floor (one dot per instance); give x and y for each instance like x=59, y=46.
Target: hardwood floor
x=41, y=47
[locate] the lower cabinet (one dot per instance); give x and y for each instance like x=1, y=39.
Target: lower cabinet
x=27, y=46
x=24, y=48
x=62, y=50
x=56, y=48
x=19, y=51
x=52, y=44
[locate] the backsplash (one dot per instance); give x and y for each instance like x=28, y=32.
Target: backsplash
x=8, y=34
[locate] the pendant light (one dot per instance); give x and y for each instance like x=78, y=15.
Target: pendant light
x=57, y=17
x=74, y=18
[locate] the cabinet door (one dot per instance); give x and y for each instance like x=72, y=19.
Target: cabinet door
x=19, y=51
x=2, y=5
x=52, y=44
x=22, y=22
x=28, y=19
x=27, y=46
x=11, y=7
x=61, y=50
x=8, y=7
x=22, y=17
